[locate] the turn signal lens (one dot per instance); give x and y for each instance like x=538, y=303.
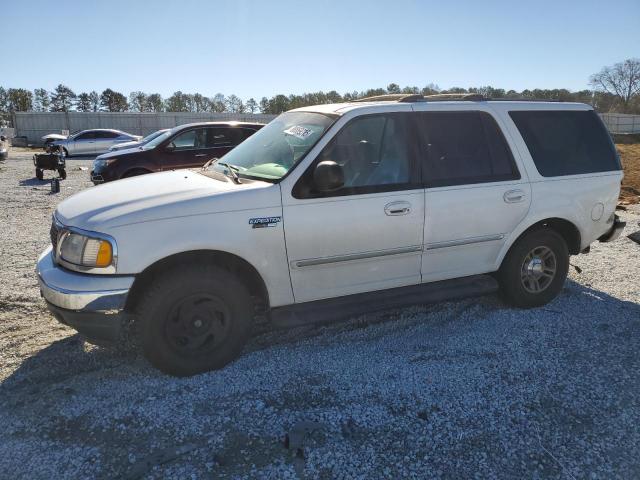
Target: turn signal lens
x=105, y=255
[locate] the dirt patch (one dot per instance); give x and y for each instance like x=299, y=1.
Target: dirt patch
x=630, y=155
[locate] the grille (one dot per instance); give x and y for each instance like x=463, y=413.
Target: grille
x=53, y=233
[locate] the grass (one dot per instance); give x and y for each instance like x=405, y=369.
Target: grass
x=630, y=155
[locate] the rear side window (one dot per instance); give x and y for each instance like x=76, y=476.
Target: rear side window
x=223, y=137
x=566, y=142
x=464, y=148
x=105, y=134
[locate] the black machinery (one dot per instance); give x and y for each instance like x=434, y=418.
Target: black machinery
x=53, y=160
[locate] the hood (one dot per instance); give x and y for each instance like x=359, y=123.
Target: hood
x=125, y=145
x=54, y=136
x=151, y=197
x=119, y=153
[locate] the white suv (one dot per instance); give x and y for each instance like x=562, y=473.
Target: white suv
x=333, y=210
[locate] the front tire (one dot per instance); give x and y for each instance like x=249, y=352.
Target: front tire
x=194, y=319
x=535, y=269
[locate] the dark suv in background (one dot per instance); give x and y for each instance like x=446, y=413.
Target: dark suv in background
x=185, y=146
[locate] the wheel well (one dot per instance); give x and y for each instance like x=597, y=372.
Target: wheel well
x=565, y=228
x=232, y=263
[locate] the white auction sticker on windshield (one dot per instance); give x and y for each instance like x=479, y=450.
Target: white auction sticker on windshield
x=298, y=131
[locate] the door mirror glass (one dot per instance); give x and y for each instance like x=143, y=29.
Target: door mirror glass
x=328, y=176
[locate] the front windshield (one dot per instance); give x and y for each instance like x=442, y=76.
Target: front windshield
x=151, y=136
x=269, y=153
x=156, y=141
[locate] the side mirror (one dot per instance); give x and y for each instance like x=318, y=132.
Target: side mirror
x=328, y=176
x=170, y=148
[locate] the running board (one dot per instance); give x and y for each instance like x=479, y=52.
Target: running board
x=339, y=308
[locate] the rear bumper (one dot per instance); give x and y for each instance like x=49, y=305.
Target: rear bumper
x=91, y=304
x=615, y=231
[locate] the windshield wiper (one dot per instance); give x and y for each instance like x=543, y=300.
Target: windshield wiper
x=209, y=162
x=230, y=168
x=232, y=172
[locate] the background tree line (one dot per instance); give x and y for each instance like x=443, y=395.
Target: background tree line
x=614, y=88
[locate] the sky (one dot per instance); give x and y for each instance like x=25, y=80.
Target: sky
x=255, y=48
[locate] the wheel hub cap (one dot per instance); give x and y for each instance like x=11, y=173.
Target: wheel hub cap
x=198, y=323
x=538, y=269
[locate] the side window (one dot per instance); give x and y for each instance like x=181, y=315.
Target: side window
x=464, y=148
x=376, y=153
x=372, y=150
x=246, y=133
x=86, y=136
x=223, y=137
x=190, y=139
x=566, y=142
x=108, y=135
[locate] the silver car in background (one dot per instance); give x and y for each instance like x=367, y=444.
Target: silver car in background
x=138, y=143
x=94, y=142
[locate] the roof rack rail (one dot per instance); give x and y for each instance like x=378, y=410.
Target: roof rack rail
x=392, y=97
x=525, y=99
x=472, y=97
x=415, y=97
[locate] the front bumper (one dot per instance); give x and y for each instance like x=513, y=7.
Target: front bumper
x=96, y=178
x=615, y=231
x=91, y=304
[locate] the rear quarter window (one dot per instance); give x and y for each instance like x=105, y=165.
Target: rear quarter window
x=566, y=142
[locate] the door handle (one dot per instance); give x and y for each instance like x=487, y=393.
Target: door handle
x=201, y=155
x=514, y=196
x=397, y=208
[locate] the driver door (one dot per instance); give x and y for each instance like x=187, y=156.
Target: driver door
x=185, y=150
x=83, y=144
x=368, y=234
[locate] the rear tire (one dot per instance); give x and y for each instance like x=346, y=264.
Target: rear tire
x=535, y=269
x=63, y=173
x=194, y=319
x=39, y=174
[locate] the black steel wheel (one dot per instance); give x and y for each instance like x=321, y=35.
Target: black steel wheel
x=194, y=319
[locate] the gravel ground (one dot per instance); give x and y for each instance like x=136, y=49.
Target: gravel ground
x=469, y=389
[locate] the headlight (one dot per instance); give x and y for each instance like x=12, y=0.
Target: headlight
x=85, y=252
x=101, y=163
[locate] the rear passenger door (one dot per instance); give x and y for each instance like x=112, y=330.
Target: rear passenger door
x=104, y=140
x=475, y=194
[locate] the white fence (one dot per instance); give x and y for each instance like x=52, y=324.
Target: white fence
x=621, y=123
x=34, y=125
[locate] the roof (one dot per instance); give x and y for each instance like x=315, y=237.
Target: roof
x=467, y=98
x=229, y=123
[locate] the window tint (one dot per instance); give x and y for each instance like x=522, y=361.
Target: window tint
x=566, y=142
x=86, y=136
x=104, y=134
x=464, y=148
x=223, y=137
x=190, y=139
x=372, y=150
